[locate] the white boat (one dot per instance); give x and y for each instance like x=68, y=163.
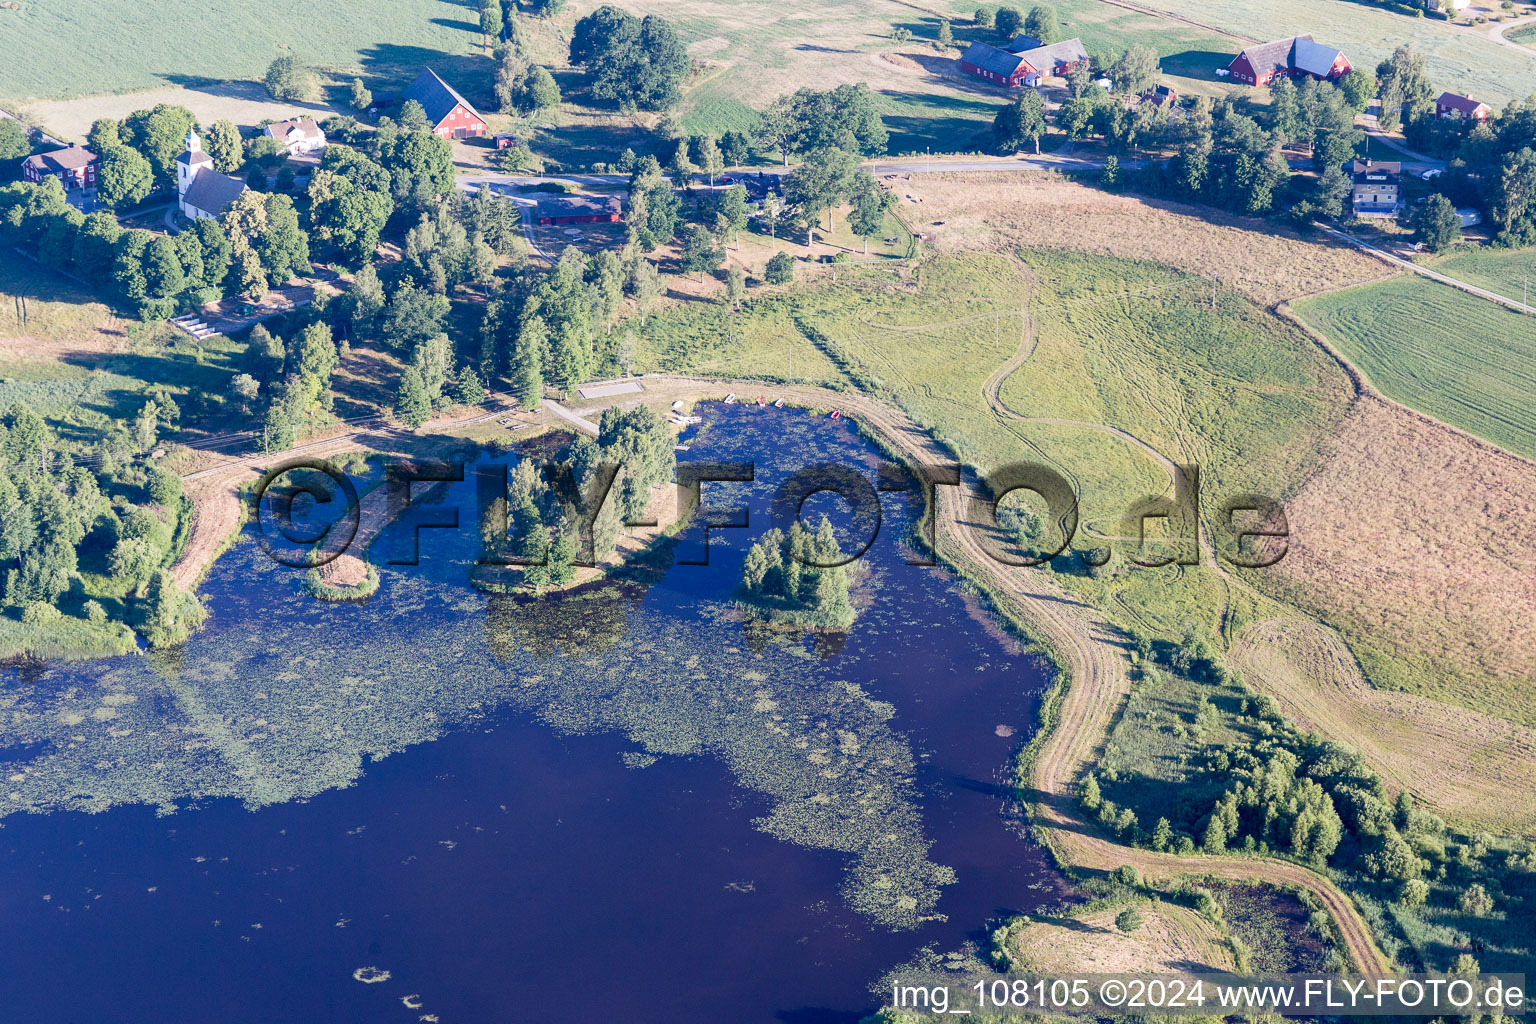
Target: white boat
x=779, y=404
x=730, y=399
x=687, y=421
x=679, y=405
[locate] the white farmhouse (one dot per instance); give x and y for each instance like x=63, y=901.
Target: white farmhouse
x=298, y=137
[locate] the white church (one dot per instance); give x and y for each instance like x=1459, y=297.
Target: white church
x=204, y=192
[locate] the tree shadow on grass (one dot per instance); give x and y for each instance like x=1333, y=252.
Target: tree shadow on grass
x=393, y=66
x=1199, y=64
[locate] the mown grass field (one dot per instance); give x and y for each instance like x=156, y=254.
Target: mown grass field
x=1459, y=358
x=1458, y=59
x=59, y=48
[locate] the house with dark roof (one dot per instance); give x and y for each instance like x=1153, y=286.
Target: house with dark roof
x=1377, y=188
x=202, y=191
x=450, y=115
x=1055, y=59
x=74, y=166
x=1022, y=42
x=580, y=210
x=1451, y=105
x=1025, y=67
x=993, y=64
x=1293, y=57
x=298, y=136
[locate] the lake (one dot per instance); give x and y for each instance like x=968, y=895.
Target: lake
x=622, y=802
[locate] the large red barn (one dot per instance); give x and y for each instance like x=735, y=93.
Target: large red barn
x=1293, y=57
x=450, y=115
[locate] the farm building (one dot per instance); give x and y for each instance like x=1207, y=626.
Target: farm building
x=580, y=210
x=450, y=115
x=74, y=166
x=1162, y=96
x=994, y=64
x=203, y=192
x=1295, y=57
x=1057, y=58
x=298, y=136
x=1451, y=105
x=1025, y=67
x=1022, y=42
x=1377, y=191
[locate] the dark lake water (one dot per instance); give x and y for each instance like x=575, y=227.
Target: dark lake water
x=619, y=804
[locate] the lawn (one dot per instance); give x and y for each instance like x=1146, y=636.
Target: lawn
x=1459, y=358
x=60, y=48
x=1458, y=60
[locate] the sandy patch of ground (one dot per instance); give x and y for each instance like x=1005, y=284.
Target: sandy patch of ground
x=1171, y=939
x=1423, y=539
x=240, y=102
x=999, y=211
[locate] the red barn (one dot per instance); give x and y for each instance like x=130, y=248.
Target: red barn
x=1451, y=105
x=1294, y=57
x=1027, y=66
x=580, y=210
x=450, y=115
x=74, y=166
x=995, y=65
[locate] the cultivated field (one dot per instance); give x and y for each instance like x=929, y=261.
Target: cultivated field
x=57, y=48
x=1418, y=544
x=1472, y=769
x=1459, y=59
x=1460, y=358
x=1172, y=939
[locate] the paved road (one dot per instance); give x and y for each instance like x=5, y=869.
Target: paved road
x=1398, y=261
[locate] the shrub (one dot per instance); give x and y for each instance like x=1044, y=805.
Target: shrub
x=780, y=269
x=1128, y=920
x=38, y=614
x=94, y=612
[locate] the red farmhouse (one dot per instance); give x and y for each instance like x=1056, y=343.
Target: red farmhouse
x=1297, y=56
x=1024, y=63
x=449, y=114
x=1451, y=105
x=580, y=210
x=74, y=166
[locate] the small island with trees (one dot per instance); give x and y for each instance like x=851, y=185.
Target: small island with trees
x=795, y=579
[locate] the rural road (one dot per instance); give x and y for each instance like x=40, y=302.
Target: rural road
x=1091, y=652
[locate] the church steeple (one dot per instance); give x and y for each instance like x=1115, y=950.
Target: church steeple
x=191, y=163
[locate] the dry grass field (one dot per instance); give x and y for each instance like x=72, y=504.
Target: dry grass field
x=1004, y=212
x=240, y=102
x=1419, y=544
x=1171, y=939
x=1474, y=770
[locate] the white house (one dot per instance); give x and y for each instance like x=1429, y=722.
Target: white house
x=298, y=137
x=203, y=191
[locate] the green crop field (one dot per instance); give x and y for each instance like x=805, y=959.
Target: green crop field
x=1459, y=358
x=1457, y=60
x=59, y=48
x=1505, y=271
